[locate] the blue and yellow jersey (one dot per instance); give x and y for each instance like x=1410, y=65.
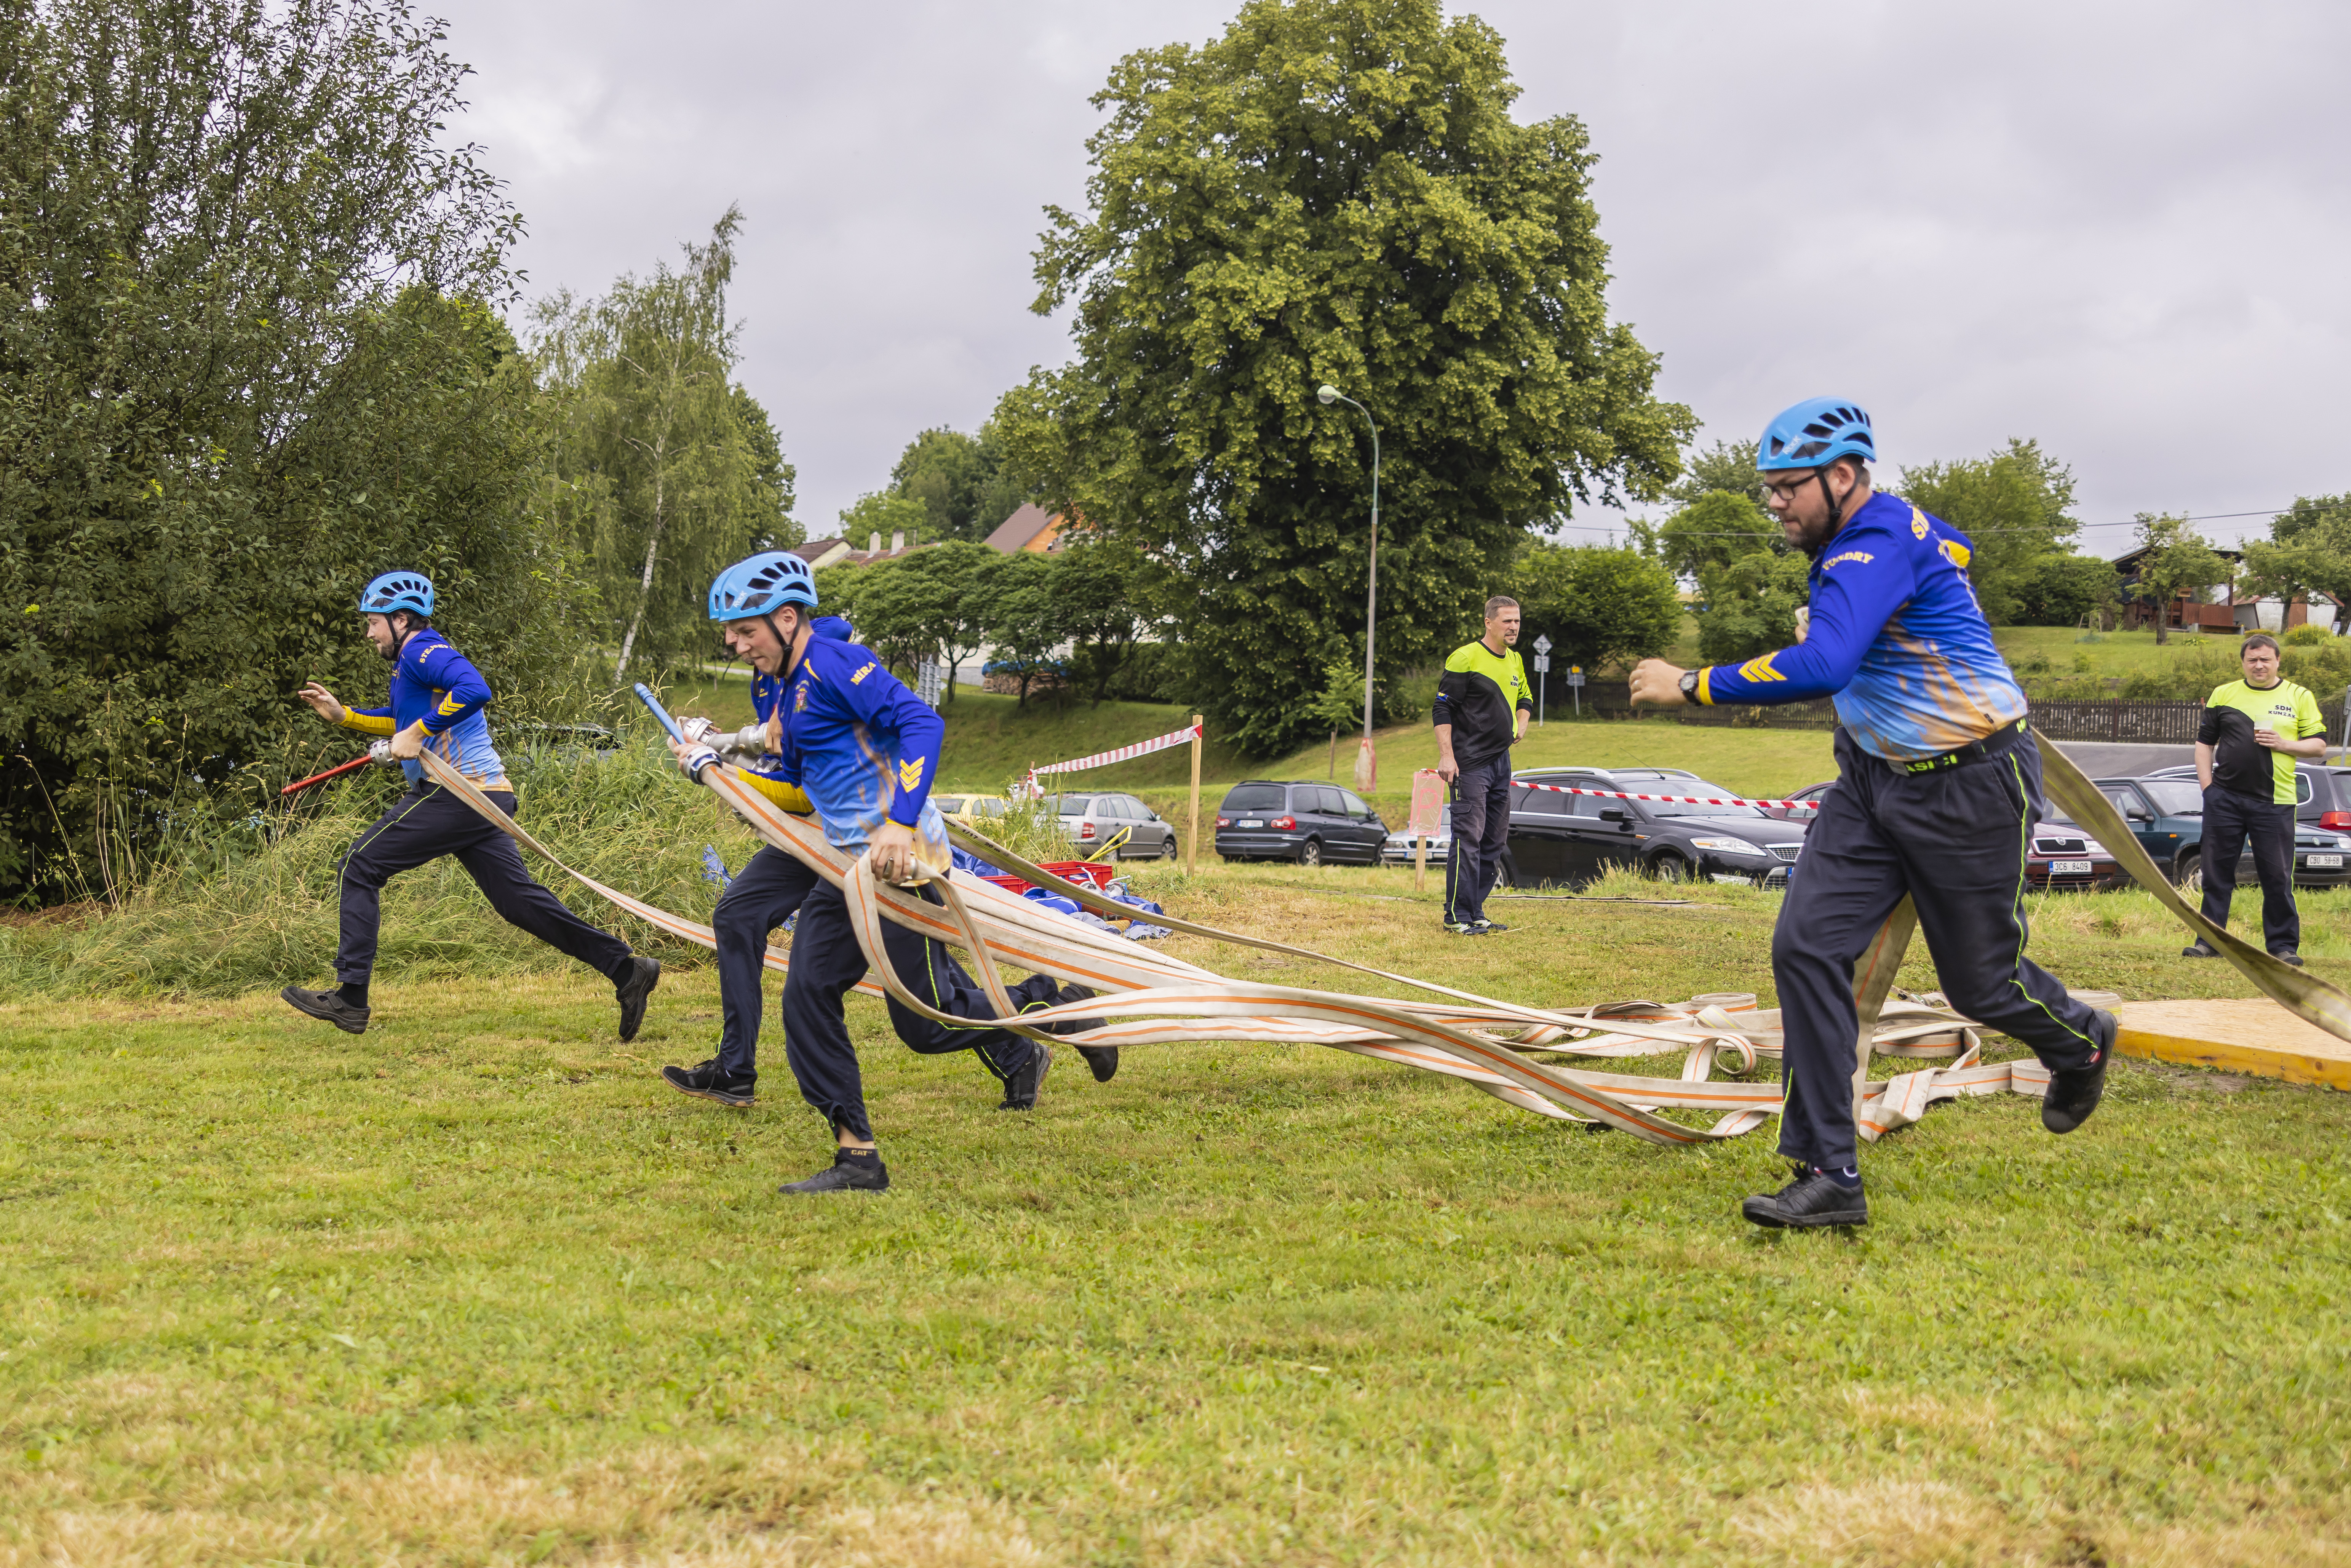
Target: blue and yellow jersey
x=857, y=747
x=1896, y=638
x=434, y=686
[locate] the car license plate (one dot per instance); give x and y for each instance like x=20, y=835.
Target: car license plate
x=1250, y=822
x=2323, y=860
x=2069, y=868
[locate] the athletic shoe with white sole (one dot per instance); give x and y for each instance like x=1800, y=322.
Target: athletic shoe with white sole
x=706, y=1082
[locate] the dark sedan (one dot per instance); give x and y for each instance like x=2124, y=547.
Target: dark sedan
x=1572, y=838
x=2165, y=811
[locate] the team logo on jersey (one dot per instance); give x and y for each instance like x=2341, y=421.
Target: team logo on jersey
x=449, y=705
x=799, y=699
x=861, y=674
x=1862, y=556
x=909, y=773
x=1917, y=526
x=1954, y=553
x=1760, y=669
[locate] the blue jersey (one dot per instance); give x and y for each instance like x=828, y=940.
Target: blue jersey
x=1896, y=638
x=433, y=684
x=864, y=747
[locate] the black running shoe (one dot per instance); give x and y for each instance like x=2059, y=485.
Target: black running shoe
x=1810, y=1201
x=644, y=974
x=2294, y=958
x=328, y=1005
x=1101, y=1060
x=845, y=1176
x=707, y=1083
x=2072, y=1095
x=1020, y=1089
x=1488, y=927
x=2202, y=949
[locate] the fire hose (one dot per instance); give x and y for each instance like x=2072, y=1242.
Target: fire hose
x=378, y=752
x=1504, y=1049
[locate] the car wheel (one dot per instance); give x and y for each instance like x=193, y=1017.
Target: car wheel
x=1167, y=848
x=1668, y=866
x=2188, y=871
x=1310, y=852
x=1506, y=877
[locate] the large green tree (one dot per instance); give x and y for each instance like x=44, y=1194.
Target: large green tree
x=2176, y=561
x=961, y=481
x=2016, y=507
x=666, y=470
x=1333, y=191
x=1599, y=606
x=248, y=359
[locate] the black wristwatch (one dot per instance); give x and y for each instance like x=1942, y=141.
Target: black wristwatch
x=1689, y=684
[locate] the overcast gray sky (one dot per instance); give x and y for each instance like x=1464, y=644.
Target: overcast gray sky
x=2120, y=228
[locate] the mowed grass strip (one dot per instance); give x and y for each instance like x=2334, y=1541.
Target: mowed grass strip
x=475, y=1287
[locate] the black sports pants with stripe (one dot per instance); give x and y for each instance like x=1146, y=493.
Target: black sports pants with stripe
x=428, y=823
x=827, y=961
x=1955, y=840
x=1481, y=832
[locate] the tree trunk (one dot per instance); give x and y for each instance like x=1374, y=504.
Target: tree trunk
x=645, y=586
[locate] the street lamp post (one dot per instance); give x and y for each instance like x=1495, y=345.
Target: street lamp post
x=1367, y=768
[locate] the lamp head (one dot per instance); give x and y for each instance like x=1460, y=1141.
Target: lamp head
x=1328, y=394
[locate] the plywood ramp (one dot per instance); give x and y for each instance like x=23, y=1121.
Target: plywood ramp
x=2256, y=1036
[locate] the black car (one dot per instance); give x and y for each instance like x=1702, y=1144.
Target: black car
x=1572, y=838
x=1270, y=819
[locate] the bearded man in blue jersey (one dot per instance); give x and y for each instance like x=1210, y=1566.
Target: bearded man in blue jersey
x=1938, y=790
x=848, y=744
x=437, y=702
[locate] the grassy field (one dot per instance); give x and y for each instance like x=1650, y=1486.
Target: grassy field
x=475, y=1288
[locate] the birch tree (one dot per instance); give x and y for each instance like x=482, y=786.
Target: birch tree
x=665, y=469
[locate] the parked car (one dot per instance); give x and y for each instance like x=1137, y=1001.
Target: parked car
x=1572, y=838
x=1797, y=813
x=2061, y=855
x=1292, y=820
x=1093, y=820
x=1397, y=849
x=2165, y=813
x=975, y=809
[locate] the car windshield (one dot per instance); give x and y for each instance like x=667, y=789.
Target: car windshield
x=2174, y=797
x=949, y=803
x=1252, y=798
x=1691, y=786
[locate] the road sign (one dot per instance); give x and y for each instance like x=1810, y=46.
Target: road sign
x=1575, y=677
x=1542, y=645
x=1542, y=663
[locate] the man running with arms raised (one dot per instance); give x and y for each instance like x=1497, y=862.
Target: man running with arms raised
x=1938, y=790
x=850, y=744
x=436, y=701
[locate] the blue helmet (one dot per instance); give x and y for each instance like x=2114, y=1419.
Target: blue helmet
x=1814, y=433
x=765, y=583
x=398, y=591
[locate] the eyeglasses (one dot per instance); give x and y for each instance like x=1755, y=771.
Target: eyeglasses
x=1786, y=488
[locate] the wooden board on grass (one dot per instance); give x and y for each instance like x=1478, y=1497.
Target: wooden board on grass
x=2257, y=1037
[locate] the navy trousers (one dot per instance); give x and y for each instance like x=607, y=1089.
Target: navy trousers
x=1955, y=841
x=1481, y=832
x=2231, y=819
x=763, y=896
x=428, y=823
x=827, y=961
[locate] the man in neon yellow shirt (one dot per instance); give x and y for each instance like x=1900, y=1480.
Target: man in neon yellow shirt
x=1482, y=704
x=2245, y=749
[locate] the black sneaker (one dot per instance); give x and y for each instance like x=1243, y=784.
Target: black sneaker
x=2072, y=1095
x=1810, y=1201
x=1488, y=927
x=845, y=1176
x=1463, y=928
x=1020, y=1089
x=644, y=974
x=706, y=1082
x=1100, y=1060
x=2294, y=958
x=328, y=1005
x=2202, y=949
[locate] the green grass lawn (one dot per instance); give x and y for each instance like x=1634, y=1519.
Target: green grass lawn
x=475, y=1288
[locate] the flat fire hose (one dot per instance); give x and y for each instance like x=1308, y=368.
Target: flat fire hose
x=1145, y=997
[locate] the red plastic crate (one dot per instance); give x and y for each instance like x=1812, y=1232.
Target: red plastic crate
x=1095, y=875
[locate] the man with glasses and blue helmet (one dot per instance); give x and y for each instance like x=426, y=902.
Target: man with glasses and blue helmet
x=436, y=701
x=1939, y=788
x=848, y=743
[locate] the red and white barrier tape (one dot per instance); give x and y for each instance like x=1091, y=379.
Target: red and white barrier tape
x=1679, y=799
x=1183, y=736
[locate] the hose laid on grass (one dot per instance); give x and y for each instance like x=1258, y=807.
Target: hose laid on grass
x=1145, y=997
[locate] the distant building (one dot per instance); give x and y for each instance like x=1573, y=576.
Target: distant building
x=822, y=553
x=1032, y=529
x=2221, y=610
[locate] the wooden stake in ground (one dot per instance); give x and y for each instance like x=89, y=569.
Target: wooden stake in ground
x=1192, y=844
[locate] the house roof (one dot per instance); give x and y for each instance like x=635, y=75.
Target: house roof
x=1032, y=528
